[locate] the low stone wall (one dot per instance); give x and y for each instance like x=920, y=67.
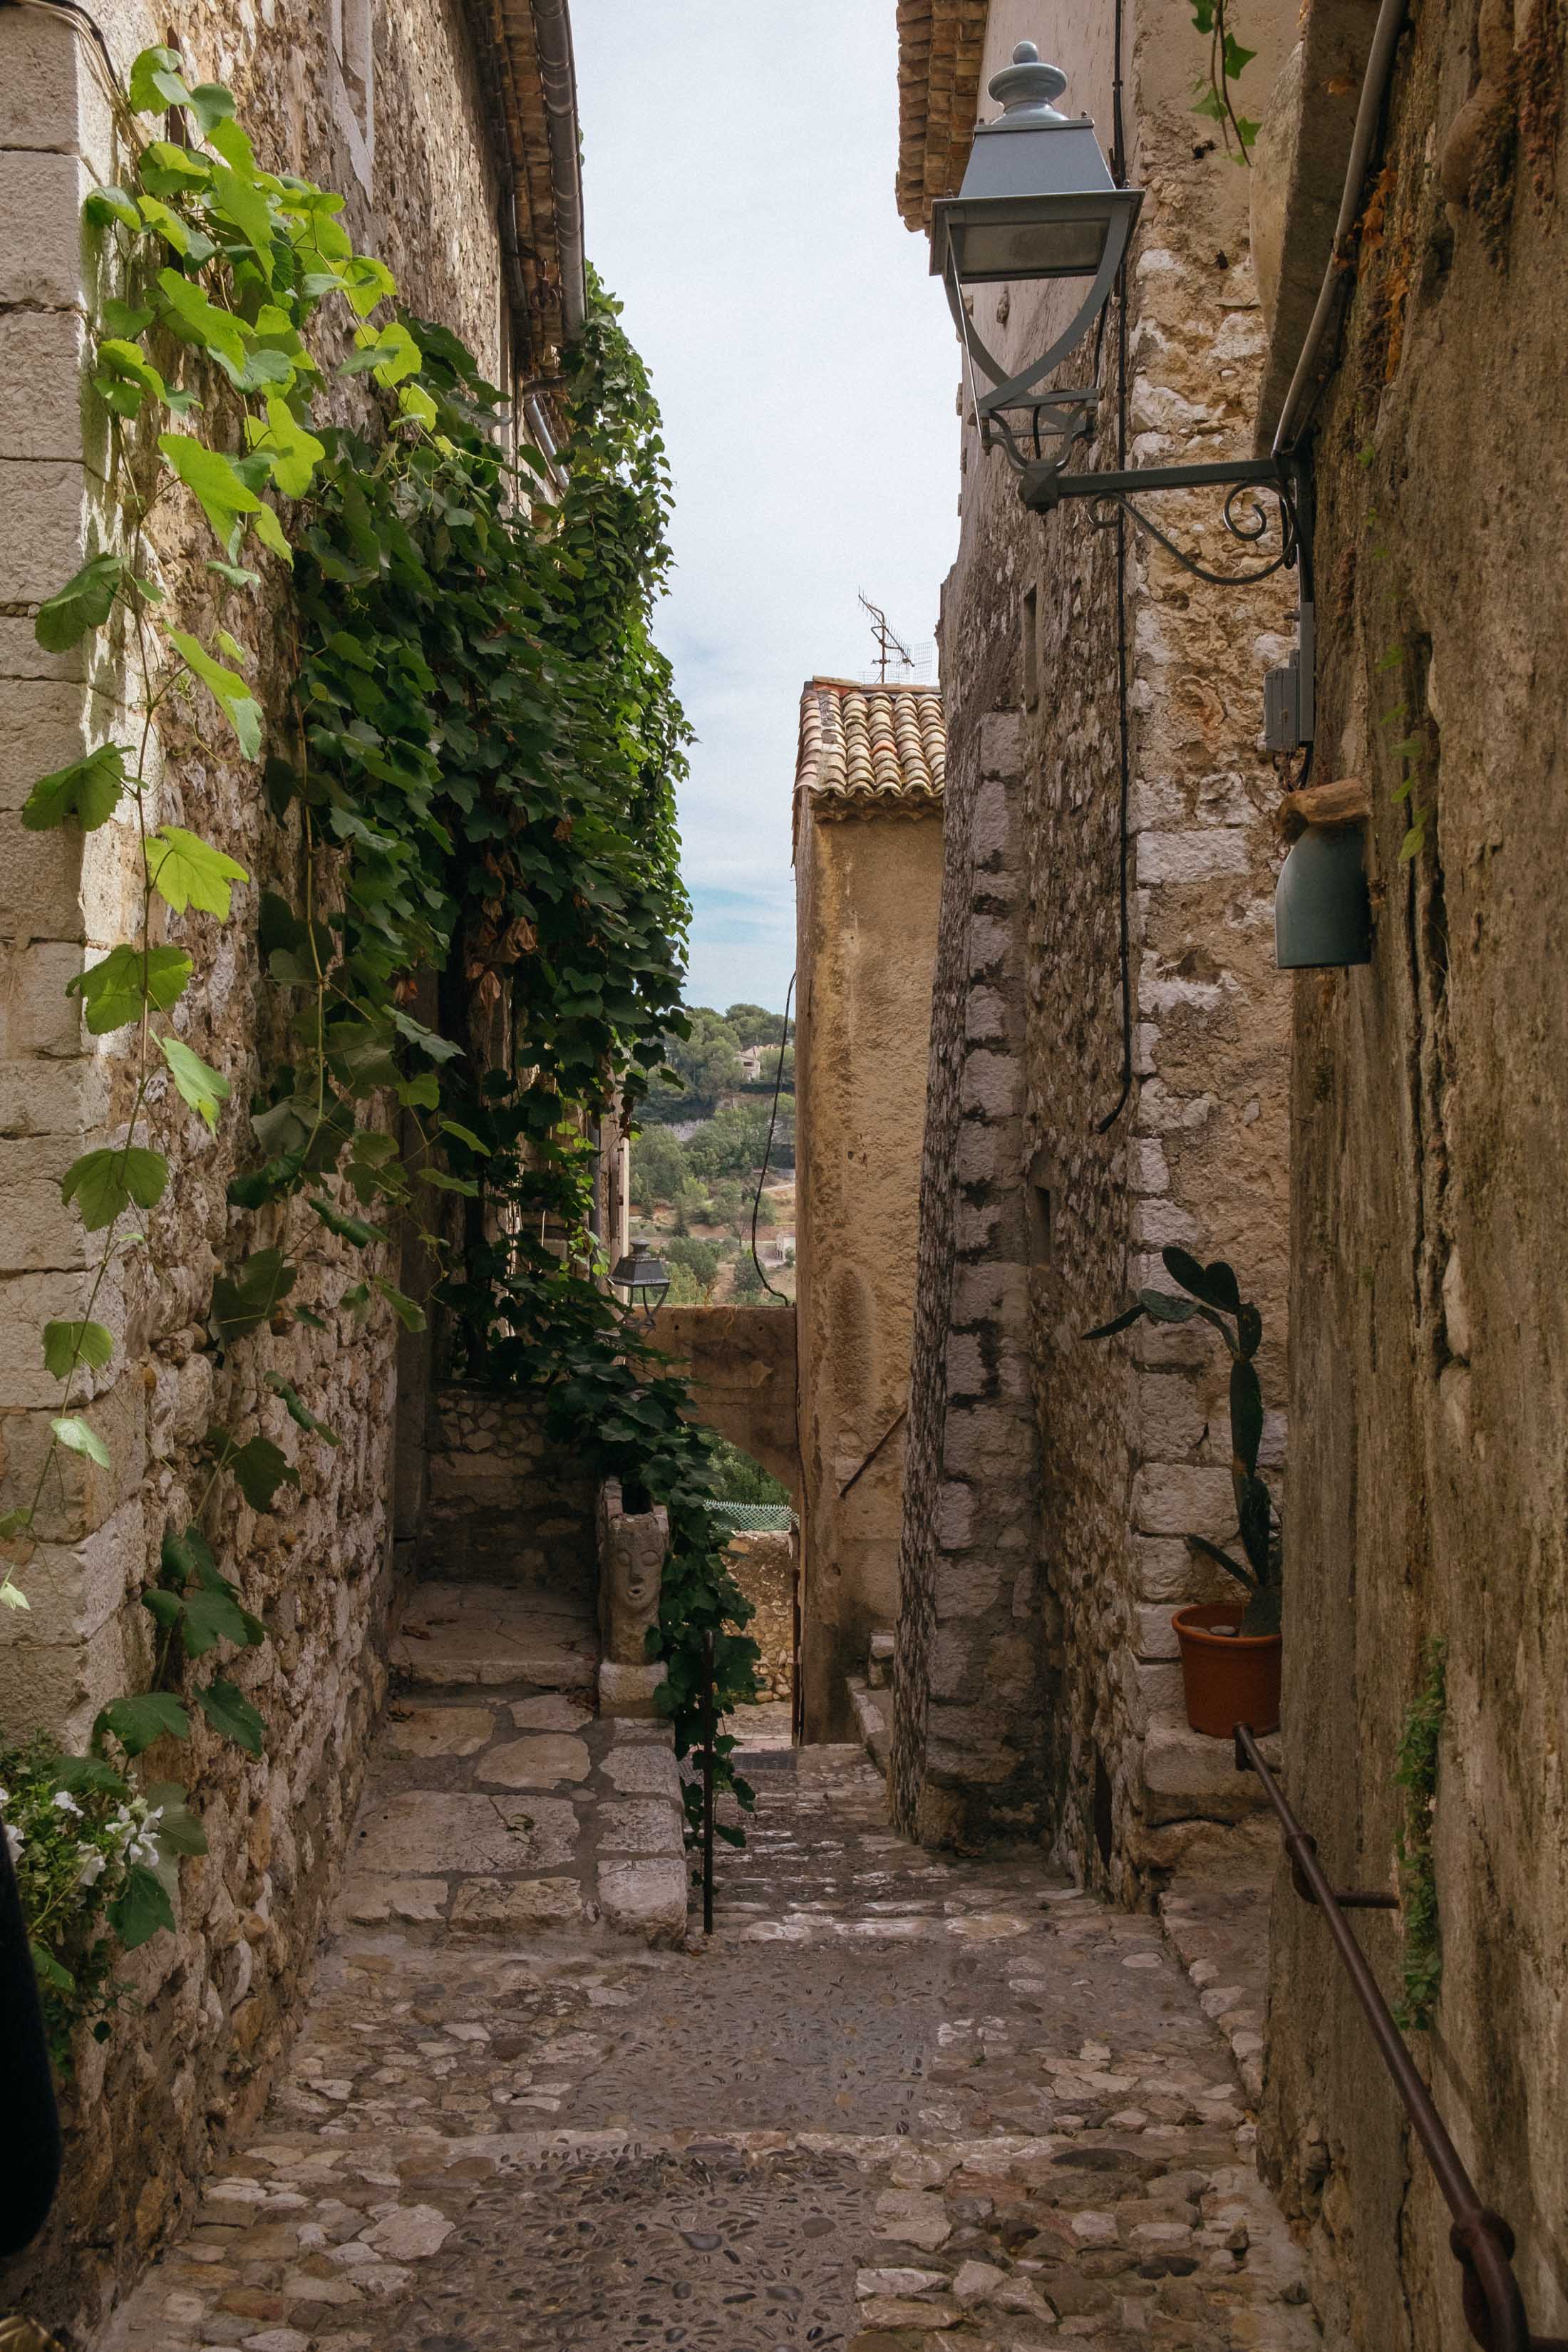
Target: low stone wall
x=505, y=1504
x=764, y=1569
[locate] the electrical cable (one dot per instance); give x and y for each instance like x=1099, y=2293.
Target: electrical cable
x=1119, y=173
x=768, y=1148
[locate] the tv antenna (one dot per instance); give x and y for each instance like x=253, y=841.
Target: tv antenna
x=890, y=647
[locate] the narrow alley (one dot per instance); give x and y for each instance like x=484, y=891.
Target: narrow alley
x=895, y=2095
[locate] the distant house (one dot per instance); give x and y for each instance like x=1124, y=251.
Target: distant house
x=750, y=1060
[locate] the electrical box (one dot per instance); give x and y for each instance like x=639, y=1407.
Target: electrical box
x=1288, y=699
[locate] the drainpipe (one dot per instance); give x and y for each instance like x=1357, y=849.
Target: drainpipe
x=553, y=38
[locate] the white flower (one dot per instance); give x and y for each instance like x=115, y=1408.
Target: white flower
x=5, y=1796
x=92, y=1867
x=66, y=1802
x=14, y=1841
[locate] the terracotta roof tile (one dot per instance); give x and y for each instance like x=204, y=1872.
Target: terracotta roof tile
x=870, y=750
x=941, y=45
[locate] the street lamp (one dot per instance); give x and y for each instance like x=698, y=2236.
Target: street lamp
x=1038, y=202
x=647, y=1278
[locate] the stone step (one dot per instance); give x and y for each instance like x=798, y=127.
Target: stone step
x=873, y=1712
x=486, y=1634
x=1185, y=1772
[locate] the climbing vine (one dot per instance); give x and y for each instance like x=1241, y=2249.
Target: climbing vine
x=476, y=773
x=1226, y=61
x=1416, y=1773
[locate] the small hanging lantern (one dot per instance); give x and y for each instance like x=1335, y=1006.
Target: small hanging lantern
x=645, y=1278
x=1323, y=916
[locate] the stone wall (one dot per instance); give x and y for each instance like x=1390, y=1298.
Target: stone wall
x=1071, y=1202
x=741, y=1364
x=866, y=896
x=1429, y=1324
x=506, y=1505
x=764, y=1566
x=214, y=2003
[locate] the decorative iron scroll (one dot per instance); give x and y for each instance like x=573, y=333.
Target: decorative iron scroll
x=1249, y=530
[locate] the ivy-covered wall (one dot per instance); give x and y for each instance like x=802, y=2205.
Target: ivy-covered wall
x=213, y=2001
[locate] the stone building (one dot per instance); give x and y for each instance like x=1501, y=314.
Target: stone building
x=1429, y=1336
x=451, y=131
x=1108, y=1054
x=868, y=858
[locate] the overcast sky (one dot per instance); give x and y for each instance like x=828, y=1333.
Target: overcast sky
x=737, y=187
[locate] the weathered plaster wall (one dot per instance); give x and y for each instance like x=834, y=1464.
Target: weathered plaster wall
x=1090, y=1742
x=1429, y=1324
x=740, y=1361
x=216, y=2000
x=867, y=893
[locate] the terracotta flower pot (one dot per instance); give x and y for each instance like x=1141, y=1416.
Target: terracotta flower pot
x=1227, y=1678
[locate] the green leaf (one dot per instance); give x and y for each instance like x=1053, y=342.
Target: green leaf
x=463, y=1134
x=103, y=207
x=1223, y=1560
x=393, y=354
x=1236, y=59
x=143, y=1910
x=1162, y=1308
x=298, y=1409
x=87, y=789
x=270, y=531
x=156, y=83
x=1246, y=1412
x=1249, y=1330
x=442, y=1182
x=439, y=1049
x=83, y=603
x=223, y=496
x=295, y=454
x=1254, y=1515
x=1263, y=1611
x=67, y=1344
x=189, y=872
x=407, y=1311
x=76, y=1436
x=200, y=1085
x=169, y=225
x=260, y=1467
x=348, y=1229
x=104, y=1182
x=1412, y=748
x=136, y=1723
x=231, y=1712
x=1414, y=841
x=185, y=1558
x=178, y=1830
x=11, y=1595
x=213, y=1614
x=367, y=281
x=243, y=1301
x=230, y=690
x=238, y=199
x=239, y=575
x=211, y=104
x=188, y=313
x=114, y=992
x=1215, y=1284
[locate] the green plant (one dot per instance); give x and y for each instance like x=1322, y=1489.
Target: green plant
x=1415, y=1772
x=1227, y=60
x=476, y=774
x=95, y=1859
x=1214, y=1294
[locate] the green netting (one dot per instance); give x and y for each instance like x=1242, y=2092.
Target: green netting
x=753, y=1518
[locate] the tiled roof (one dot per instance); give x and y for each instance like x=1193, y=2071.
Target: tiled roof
x=868, y=751
x=941, y=44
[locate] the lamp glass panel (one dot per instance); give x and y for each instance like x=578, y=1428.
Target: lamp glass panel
x=1022, y=248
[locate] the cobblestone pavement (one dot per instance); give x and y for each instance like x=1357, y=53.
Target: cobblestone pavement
x=898, y=2101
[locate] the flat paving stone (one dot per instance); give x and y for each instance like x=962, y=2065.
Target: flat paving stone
x=438, y=1731
x=538, y=1762
x=423, y=1831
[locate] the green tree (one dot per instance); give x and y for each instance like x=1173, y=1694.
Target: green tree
x=659, y=1167
x=737, y=1478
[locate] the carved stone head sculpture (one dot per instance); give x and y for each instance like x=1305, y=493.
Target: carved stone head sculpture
x=632, y=1549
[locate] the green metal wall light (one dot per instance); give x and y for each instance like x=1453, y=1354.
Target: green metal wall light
x=1322, y=916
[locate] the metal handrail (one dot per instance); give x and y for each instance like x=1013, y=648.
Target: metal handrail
x=1479, y=2240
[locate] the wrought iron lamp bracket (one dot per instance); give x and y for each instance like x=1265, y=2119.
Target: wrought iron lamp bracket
x=1044, y=486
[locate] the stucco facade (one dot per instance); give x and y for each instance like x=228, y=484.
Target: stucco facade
x=414, y=132
x=1053, y=1483
x=867, y=853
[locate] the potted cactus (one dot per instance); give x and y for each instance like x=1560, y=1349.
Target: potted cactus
x=1230, y=1650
